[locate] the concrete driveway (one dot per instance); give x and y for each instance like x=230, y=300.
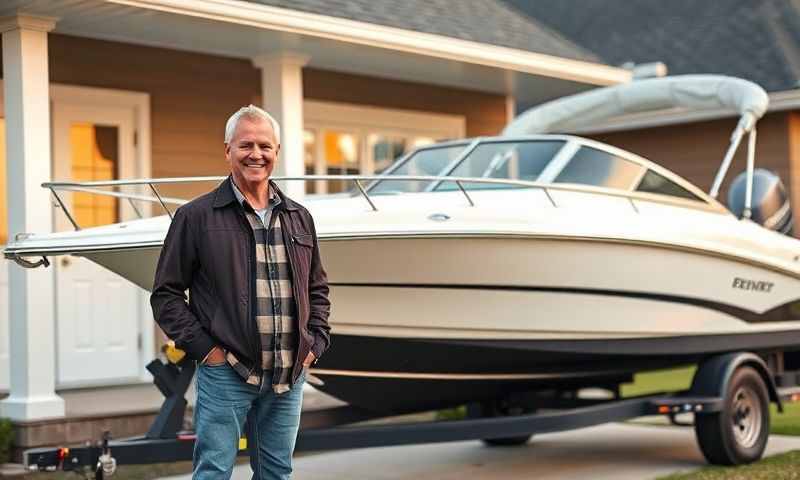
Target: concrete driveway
x=615, y=451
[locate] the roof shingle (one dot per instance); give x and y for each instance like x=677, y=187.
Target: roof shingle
x=756, y=40
x=485, y=21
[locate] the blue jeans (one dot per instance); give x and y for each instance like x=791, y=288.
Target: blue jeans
x=224, y=401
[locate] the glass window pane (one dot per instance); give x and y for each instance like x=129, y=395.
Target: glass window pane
x=341, y=157
x=655, y=183
x=595, y=167
x=427, y=162
x=310, y=157
x=508, y=160
x=385, y=150
x=95, y=157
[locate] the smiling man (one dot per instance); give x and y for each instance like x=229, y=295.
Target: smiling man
x=257, y=313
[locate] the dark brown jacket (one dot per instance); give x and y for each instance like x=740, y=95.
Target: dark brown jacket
x=210, y=251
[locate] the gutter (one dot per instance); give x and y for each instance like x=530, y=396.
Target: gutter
x=391, y=38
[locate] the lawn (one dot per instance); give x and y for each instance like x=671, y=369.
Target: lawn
x=785, y=466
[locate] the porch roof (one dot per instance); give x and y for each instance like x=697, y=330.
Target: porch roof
x=245, y=29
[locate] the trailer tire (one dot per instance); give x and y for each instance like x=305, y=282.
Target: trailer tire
x=738, y=433
x=495, y=409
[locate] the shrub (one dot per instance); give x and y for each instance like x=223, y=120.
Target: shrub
x=6, y=439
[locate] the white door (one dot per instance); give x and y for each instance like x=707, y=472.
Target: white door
x=98, y=313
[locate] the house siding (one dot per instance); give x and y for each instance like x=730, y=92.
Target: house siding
x=695, y=150
x=485, y=113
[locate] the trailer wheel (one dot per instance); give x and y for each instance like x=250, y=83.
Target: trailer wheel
x=499, y=408
x=737, y=434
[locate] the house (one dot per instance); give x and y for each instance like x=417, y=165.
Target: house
x=758, y=41
x=104, y=89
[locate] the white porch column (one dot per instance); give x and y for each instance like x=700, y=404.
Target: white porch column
x=31, y=292
x=282, y=93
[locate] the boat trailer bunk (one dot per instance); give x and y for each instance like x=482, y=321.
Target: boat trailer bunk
x=727, y=393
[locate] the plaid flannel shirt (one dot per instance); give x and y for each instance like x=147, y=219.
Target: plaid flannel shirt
x=275, y=308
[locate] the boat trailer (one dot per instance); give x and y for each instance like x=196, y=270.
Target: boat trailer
x=338, y=427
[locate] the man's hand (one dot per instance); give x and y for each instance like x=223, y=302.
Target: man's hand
x=309, y=360
x=215, y=357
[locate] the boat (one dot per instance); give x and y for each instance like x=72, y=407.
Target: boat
x=481, y=269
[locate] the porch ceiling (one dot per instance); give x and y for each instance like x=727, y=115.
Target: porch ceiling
x=239, y=29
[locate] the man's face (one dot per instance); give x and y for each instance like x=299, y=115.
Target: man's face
x=252, y=151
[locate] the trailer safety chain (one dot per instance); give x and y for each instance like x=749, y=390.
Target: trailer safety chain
x=28, y=264
x=106, y=464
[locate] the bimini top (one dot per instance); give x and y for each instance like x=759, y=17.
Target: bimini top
x=695, y=92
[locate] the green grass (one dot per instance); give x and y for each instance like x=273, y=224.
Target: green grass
x=659, y=381
x=785, y=466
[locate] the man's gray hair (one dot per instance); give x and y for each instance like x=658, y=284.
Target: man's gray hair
x=254, y=113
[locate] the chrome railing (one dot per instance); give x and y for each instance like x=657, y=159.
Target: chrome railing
x=96, y=188
x=358, y=180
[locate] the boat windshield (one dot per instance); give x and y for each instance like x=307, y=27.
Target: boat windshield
x=515, y=160
x=511, y=160
x=431, y=161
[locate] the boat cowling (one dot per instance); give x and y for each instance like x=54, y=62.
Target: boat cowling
x=771, y=205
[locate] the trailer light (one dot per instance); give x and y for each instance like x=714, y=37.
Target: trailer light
x=663, y=409
x=795, y=397
x=698, y=408
x=62, y=454
x=687, y=408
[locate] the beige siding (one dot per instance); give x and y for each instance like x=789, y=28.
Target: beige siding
x=485, y=113
x=793, y=120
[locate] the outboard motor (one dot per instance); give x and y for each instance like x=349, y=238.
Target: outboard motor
x=771, y=206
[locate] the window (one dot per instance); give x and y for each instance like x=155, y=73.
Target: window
x=429, y=161
x=386, y=149
x=591, y=166
x=652, y=182
x=341, y=157
x=309, y=155
x=360, y=140
x=95, y=153
x=508, y=160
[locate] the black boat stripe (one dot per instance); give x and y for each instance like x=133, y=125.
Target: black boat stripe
x=787, y=312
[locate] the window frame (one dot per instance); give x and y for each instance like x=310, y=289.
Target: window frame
x=363, y=121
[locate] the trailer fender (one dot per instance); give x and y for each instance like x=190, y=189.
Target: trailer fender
x=714, y=374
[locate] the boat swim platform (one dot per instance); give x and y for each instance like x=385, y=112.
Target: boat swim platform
x=124, y=410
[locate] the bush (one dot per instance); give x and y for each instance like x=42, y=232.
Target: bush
x=6, y=439
x=456, y=413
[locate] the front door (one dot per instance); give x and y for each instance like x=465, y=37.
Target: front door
x=98, y=313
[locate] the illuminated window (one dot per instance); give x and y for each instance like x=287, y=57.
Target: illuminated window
x=95, y=153
x=342, y=139
x=341, y=156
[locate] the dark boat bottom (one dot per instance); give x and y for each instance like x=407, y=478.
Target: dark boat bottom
x=398, y=375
